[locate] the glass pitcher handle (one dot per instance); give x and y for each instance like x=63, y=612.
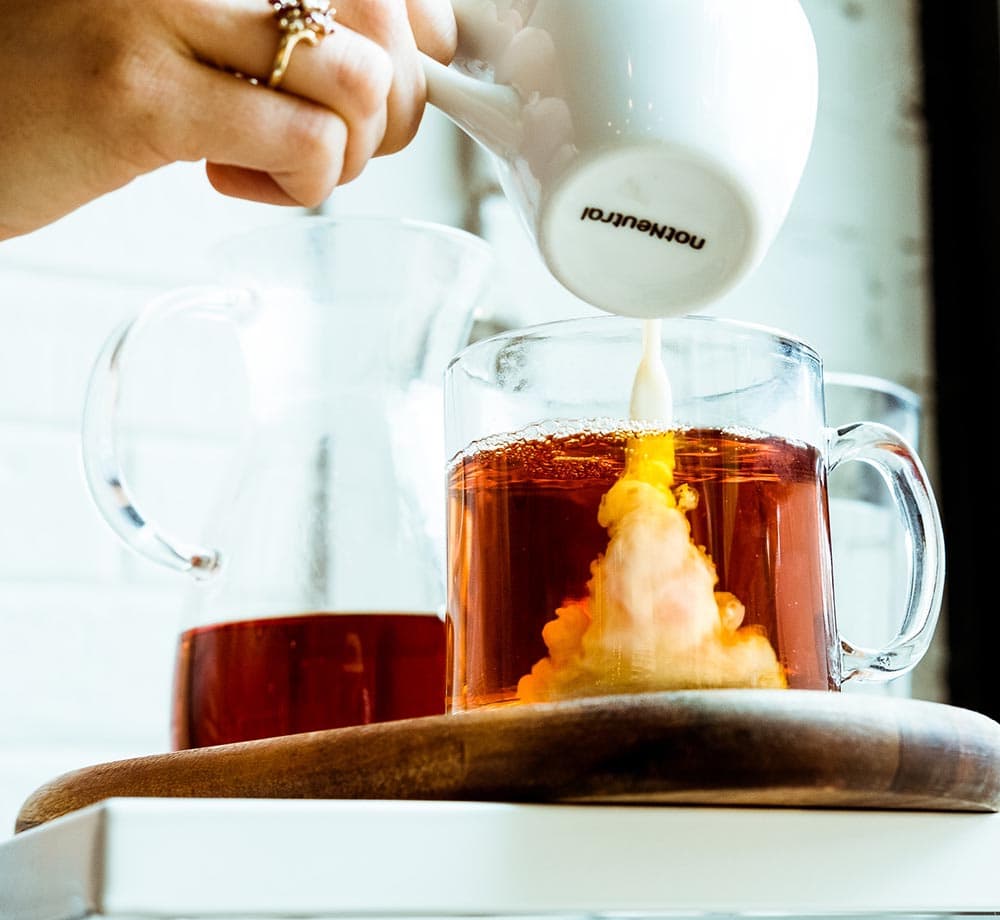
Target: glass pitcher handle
x=900, y=468
x=101, y=463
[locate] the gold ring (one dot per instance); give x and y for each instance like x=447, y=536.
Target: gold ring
x=298, y=20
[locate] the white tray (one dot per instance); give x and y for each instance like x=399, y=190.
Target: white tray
x=274, y=858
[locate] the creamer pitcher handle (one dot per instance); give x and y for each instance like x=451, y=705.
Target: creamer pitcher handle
x=488, y=112
x=897, y=463
x=101, y=463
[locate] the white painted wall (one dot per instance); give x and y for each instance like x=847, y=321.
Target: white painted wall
x=87, y=630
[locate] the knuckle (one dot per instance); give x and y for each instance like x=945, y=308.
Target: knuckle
x=406, y=105
x=319, y=140
x=117, y=62
x=383, y=20
x=128, y=77
x=360, y=149
x=123, y=74
x=364, y=74
x=401, y=132
x=137, y=87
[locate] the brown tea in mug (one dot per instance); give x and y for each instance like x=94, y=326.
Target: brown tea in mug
x=562, y=587
x=251, y=679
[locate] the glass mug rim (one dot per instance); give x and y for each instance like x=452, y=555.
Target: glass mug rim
x=633, y=326
x=765, y=347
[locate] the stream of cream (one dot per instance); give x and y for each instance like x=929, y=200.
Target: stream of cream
x=652, y=396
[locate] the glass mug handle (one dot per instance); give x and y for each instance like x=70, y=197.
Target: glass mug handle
x=886, y=451
x=101, y=463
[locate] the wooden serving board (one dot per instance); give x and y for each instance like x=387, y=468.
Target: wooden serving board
x=796, y=748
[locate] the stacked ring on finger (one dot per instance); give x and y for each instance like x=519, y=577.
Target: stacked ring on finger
x=299, y=20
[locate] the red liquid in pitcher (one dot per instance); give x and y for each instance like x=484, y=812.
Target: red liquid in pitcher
x=523, y=532
x=283, y=675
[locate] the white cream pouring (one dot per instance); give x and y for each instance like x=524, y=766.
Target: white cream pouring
x=652, y=396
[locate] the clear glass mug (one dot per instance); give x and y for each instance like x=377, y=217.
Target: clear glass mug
x=591, y=555
x=317, y=590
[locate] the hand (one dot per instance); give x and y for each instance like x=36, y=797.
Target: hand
x=94, y=93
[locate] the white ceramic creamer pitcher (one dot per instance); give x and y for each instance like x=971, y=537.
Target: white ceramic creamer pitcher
x=652, y=148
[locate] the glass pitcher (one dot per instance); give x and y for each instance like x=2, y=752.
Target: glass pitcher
x=317, y=596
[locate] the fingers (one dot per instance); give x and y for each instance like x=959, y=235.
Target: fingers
x=433, y=25
x=406, y=30
x=368, y=71
x=273, y=147
x=387, y=25
x=358, y=93
x=346, y=72
x=250, y=184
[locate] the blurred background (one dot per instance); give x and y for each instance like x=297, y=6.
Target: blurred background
x=883, y=266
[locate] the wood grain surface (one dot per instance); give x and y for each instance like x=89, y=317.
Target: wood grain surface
x=796, y=748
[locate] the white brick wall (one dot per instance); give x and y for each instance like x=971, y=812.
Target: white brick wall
x=87, y=630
